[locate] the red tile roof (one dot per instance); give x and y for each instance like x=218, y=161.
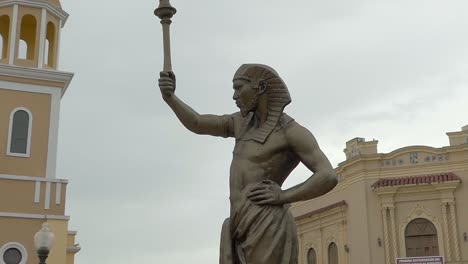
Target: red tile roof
x=422, y=179
x=321, y=210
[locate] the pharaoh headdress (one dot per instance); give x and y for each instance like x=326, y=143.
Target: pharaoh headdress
x=277, y=92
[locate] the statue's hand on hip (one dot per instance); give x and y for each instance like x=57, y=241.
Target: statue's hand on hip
x=167, y=84
x=266, y=193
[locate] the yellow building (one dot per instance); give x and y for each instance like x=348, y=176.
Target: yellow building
x=31, y=87
x=407, y=203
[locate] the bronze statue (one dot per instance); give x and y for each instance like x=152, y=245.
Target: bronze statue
x=269, y=144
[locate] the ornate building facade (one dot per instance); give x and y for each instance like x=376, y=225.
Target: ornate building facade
x=407, y=203
x=31, y=88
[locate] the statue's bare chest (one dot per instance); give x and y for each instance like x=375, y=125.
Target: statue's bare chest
x=275, y=146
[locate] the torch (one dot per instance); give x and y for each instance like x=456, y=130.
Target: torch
x=165, y=12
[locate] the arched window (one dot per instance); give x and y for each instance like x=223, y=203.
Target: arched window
x=5, y=33
x=13, y=253
x=332, y=254
x=311, y=256
x=19, y=136
x=23, y=50
x=49, y=52
x=421, y=238
x=28, y=35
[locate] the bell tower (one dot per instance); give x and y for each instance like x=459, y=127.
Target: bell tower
x=31, y=88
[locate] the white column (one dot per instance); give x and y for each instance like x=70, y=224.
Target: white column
x=454, y=231
x=394, y=233
x=42, y=38
x=386, y=238
x=57, y=49
x=448, y=251
x=13, y=39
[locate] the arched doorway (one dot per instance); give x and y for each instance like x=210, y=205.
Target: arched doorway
x=421, y=238
x=332, y=254
x=311, y=256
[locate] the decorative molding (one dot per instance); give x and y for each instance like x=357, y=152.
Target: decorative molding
x=446, y=231
x=453, y=223
x=55, y=10
x=30, y=178
x=10, y=131
x=394, y=232
x=34, y=216
x=386, y=238
x=15, y=245
x=74, y=249
x=36, y=74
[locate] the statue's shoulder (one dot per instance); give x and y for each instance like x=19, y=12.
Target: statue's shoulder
x=238, y=123
x=285, y=121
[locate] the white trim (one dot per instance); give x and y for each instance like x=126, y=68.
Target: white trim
x=15, y=245
x=55, y=10
x=34, y=216
x=47, y=196
x=30, y=88
x=14, y=29
x=42, y=37
x=38, y=74
x=53, y=136
x=30, y=178
x=10, y=129
x=37, y=192
x=58, y=193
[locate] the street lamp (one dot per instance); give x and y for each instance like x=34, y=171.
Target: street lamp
x=43, y=241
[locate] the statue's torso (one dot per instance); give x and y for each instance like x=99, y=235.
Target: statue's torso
x=254, y=161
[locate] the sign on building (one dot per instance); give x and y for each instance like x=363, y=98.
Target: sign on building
x=421, y=260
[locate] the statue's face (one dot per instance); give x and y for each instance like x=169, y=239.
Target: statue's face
x=245, y=95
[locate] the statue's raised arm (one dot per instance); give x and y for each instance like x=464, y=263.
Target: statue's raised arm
x=200, y=124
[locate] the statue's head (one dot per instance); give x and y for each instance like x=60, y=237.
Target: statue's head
x=254, y=80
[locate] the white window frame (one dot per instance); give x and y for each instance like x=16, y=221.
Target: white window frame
x=10, y=131
x=15, y=245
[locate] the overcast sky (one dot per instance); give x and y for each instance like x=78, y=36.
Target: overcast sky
x=144, y=190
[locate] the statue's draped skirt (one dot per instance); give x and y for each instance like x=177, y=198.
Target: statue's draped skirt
x=257, y=234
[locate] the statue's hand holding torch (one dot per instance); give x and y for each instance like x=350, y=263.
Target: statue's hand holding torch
x=167, y=84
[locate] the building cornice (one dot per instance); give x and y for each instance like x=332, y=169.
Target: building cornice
x=74, y=249
x=404, y=150
x=54, y=9
x=340, y=205
x=37, y=74
x=34, y=216
x=31, y=178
